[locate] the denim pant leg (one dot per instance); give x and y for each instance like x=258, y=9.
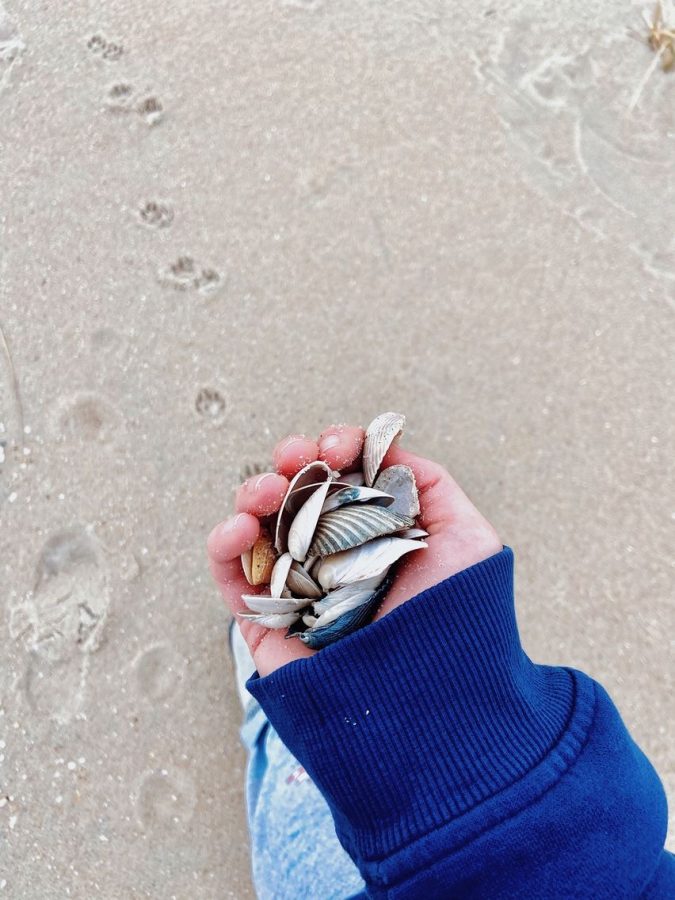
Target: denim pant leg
x=295, y=852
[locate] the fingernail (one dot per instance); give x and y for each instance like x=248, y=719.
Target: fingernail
x=332, y=440
x=261, y=478
x=232, y=524
x=291, y=439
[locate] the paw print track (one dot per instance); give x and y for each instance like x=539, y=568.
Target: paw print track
x=151, y=110
x=104, y=49
x=186, y=275
x=154, y=214
x=122, y=97
x=210, y=404
x=87, y=417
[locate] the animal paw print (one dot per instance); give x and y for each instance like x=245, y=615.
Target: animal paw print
x=210, y=404
x=185, y=275
x=151, y=109
x=108, y=50
x=122, y=97
x=155, y=214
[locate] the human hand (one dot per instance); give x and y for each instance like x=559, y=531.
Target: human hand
x=459, y=536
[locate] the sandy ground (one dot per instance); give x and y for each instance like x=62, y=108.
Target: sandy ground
x=225, y=221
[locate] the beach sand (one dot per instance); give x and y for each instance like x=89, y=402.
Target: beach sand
x=224, y=222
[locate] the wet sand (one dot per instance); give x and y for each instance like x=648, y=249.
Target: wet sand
x=222, y=223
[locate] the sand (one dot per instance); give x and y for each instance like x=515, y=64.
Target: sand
x=224, y=222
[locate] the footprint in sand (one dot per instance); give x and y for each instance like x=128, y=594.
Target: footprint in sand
x=155, y=214
x=164, y=799
x=122, y=97
x=159, y=670
x=87, y=416
x=185, y=274
x=61, y=621
x=101, y=47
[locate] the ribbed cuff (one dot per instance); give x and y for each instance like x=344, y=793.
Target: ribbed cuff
x=418, y=717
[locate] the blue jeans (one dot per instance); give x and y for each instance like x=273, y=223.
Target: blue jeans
x=295, y=852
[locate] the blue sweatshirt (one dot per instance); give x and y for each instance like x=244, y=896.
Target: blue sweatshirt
x=456, y=767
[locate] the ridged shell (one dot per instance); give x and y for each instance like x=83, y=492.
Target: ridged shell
x=304, y=524
x=356, y=494
x=413, y=533
x=363, y=562
x=301, y=583
x=351, y=526
x=400, y=482
x=380, y=435
x=261, y=603
x=313, y=474
x=263, y=558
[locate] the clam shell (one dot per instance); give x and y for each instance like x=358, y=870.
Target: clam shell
x=275, y=620
x=413, y=533
x=354, y=478
x=304, y=524
x=400, y=482
x=263, y=558
x=264, y=605
x=309, y=620
x=313, y=474
x=246, y=558
x=363, y=562
x=280, y=574
x=300, y=582
x=356, y=494
x=358, y=598
x=350, y=526
x=380, y=435
x=348, y=592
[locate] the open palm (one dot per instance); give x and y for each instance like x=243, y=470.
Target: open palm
x=459, y=536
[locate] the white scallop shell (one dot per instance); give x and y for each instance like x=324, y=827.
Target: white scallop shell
x=350, y=526
x=380, y=435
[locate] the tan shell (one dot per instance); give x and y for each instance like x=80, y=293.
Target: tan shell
x=380, y=435
x=263, y=558
x=246, y=558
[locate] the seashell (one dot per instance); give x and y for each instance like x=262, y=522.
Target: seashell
x=356, y=494
x=263, y=558
x=311, y=475
x=356, y=479
x=363, y=562
x=400, y=482
x=350, y=526
x=300, y=582
x=246, y=558
x=413, y=533
x=276, y=620
x=309, y=620
x=347, y=592
x=380, y=435
x=304, y=524
x=280, y=574
x=261, y=603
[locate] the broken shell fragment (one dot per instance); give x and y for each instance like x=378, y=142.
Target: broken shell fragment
x=363, y=562
x=263, y=558
x=400, y=482
x=379, y=437
x=350, y=526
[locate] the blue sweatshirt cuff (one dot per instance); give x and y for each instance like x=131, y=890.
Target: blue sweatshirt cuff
x=417, y=718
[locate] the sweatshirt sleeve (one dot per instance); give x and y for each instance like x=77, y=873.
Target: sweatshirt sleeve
x=456, y=767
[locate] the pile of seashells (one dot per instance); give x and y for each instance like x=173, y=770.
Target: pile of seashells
x=328, y=554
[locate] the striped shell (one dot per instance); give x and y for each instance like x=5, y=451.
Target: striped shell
x=350, y=526
x=379, y=437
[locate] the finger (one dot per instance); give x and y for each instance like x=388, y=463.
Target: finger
x=294, y=452
x=262, y=494
x=231, y=538
x=341, y=445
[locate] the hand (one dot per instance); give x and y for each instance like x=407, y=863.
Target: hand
x=459, y=536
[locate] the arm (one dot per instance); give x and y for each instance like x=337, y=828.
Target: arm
x=454, y=766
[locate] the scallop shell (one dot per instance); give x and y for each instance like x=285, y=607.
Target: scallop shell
x=363, y=562
x=263, y=558
x=356, y=494
x=350, y=526
x=380, y=435
x=261, y=603
x=313, y=474
x=304, y=524
x=301, y=583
